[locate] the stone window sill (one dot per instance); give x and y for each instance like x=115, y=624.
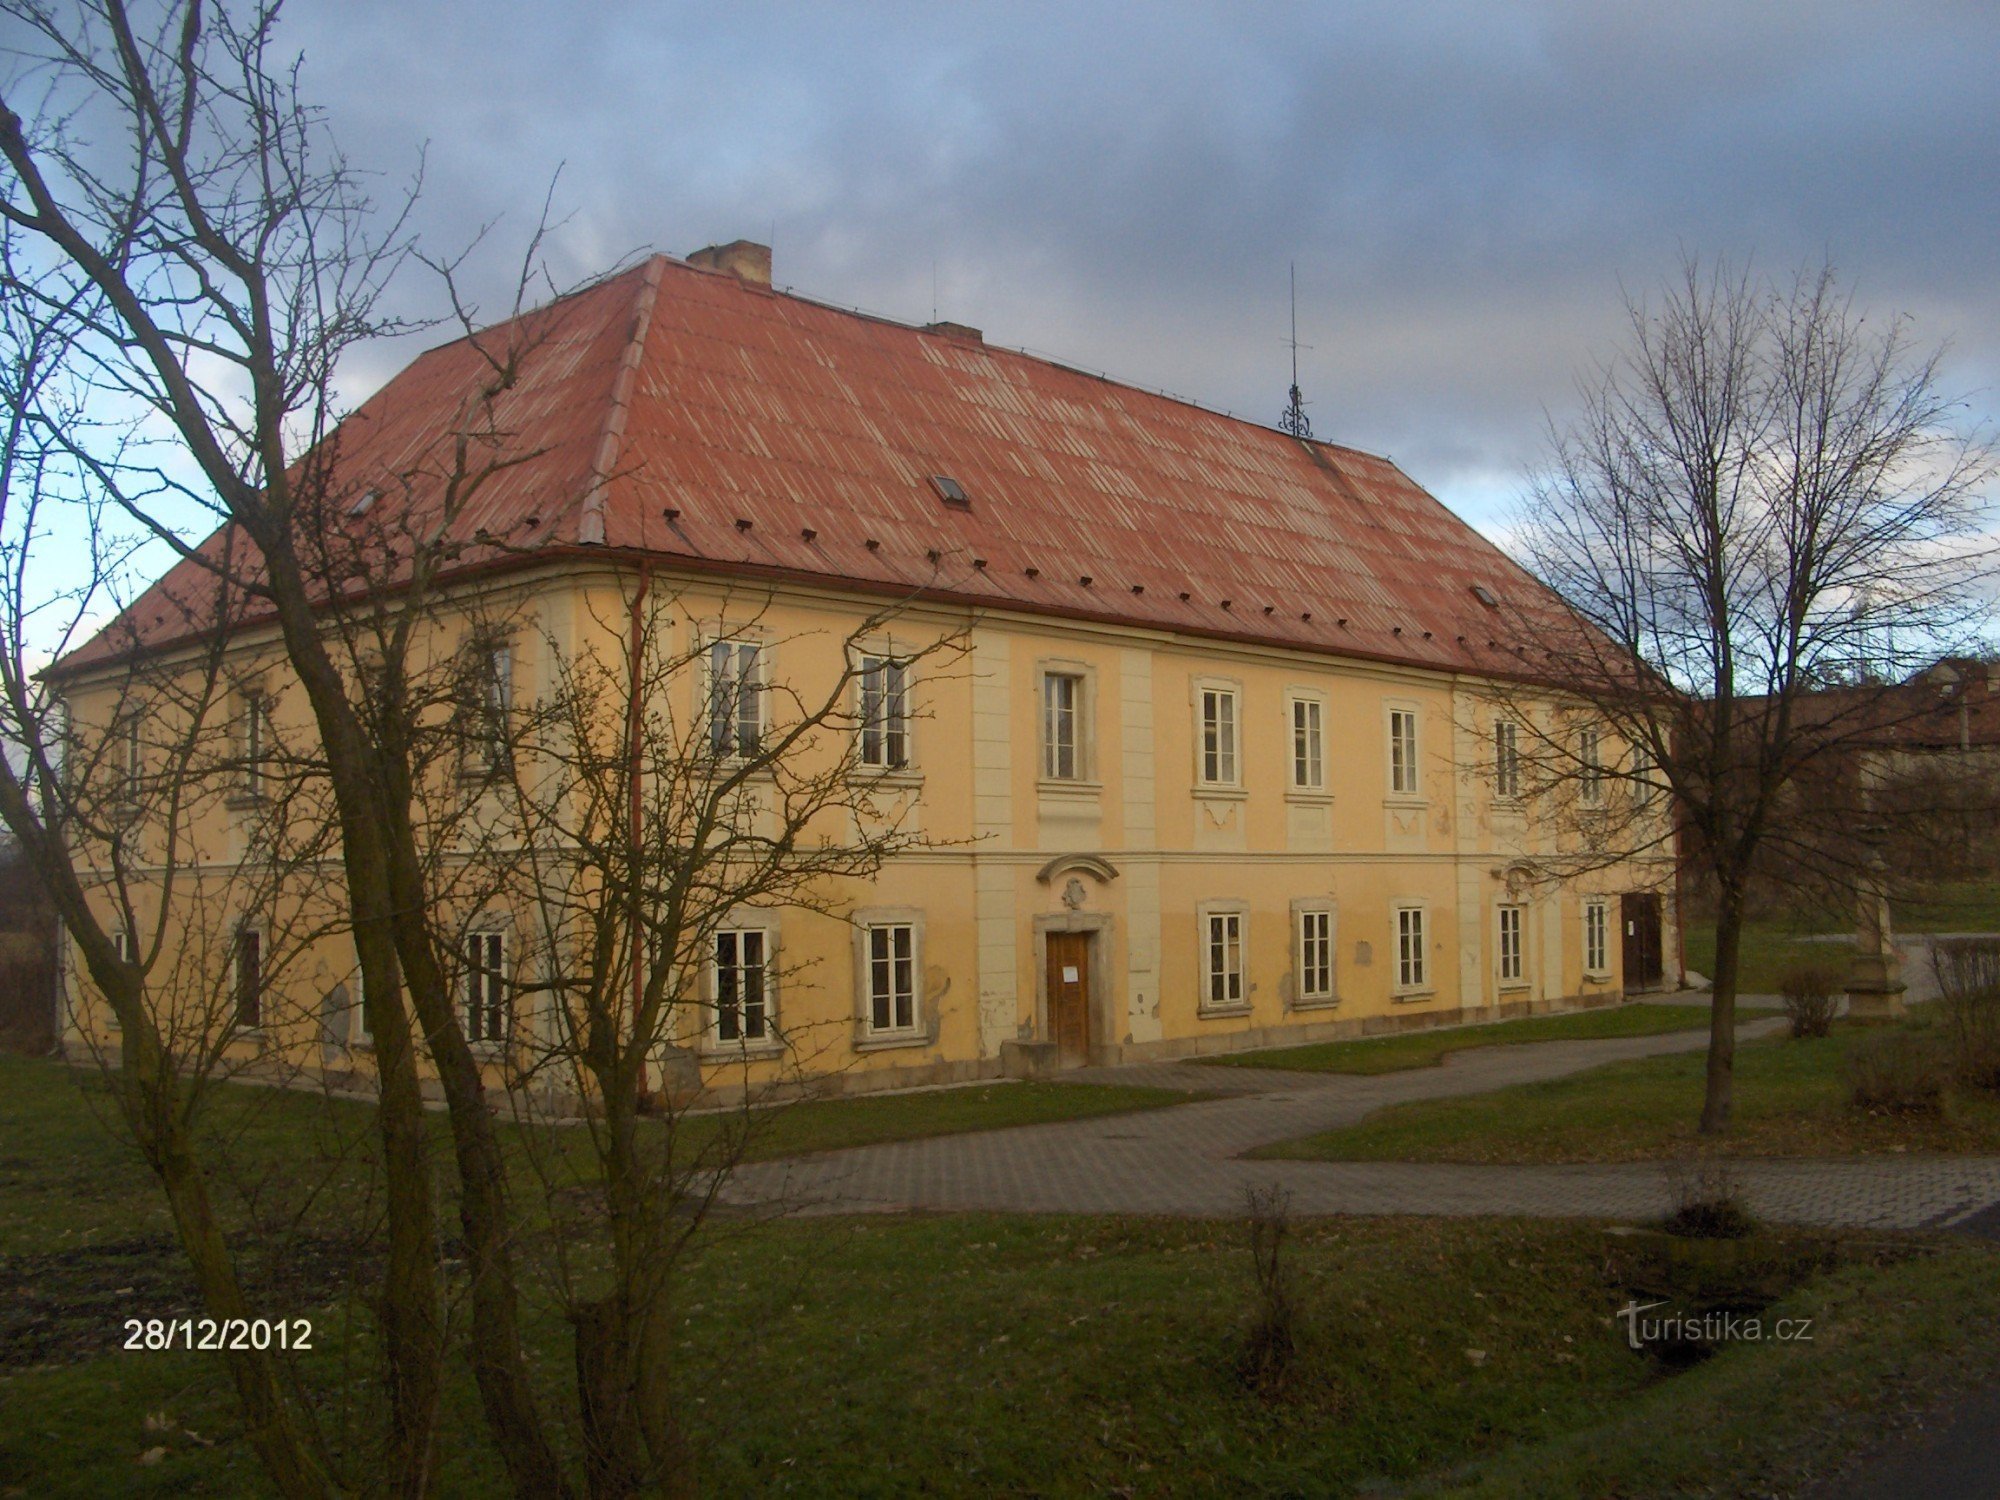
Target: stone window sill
x=890, y=1041
x=1318, y=796
x=1317, y=1002
x=1221, y=1012
x=1406, y=997
x=1220, y=792
x=1075, y=789
x=722, y=1052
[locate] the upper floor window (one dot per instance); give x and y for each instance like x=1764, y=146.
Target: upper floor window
x=1589, y=756
x=486, y=1007
x=1062, y=726
x=892, y=976
x=735, y=698
x=1308, y=745
x=256, y=744
x=493, y=702
x=249, y=977
x=885, y=713
x=1507, y=759
x=1645, y=779
x=132, y=750
x=1218, y=736
x=741, y=985
x=1403, y=751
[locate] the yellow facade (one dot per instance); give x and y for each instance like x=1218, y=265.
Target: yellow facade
x=1206, y=901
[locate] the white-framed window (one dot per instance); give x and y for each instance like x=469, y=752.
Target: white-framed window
x=1589, y=756
x=487, y=1010
x=248, y=994
x=1218, y=736
x=1062, y=726
x=1412, y=960
x=890, y=960
x=1308, y=745
x=1513, y=961
x=736, y=698
x=1507, y=759
x=1596, y=937
x=256, y=743
x=492, y=692
x=124, y=945
x=1645, y=780
x=1403, y=752
x=132, y=749
x=740, y=982
x=1315, y=954
x=1222, y=964
x=885, y=713
x=357, y=1007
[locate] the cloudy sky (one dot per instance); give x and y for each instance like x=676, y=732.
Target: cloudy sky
x=1465, y=188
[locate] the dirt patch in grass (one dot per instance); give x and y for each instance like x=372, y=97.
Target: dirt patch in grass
x=66, y=1306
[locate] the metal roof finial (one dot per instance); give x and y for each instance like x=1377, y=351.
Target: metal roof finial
x=1294, y=419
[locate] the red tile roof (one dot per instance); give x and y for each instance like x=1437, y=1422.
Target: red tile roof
x=711, y=422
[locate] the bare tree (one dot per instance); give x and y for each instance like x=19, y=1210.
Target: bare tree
x=196, y=258
x=658, y=802
x=1766, y=506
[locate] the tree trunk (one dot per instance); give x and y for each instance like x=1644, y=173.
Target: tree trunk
x=611, y=1458
x=1718, y=1100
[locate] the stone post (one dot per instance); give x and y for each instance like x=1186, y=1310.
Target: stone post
x=1875, y=976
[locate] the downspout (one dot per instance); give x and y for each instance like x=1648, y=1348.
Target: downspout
x=634, y=762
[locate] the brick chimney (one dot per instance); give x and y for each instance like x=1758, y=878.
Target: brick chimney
x=746, y=260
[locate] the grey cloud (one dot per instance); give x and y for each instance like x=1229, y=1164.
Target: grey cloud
x=1463, y=187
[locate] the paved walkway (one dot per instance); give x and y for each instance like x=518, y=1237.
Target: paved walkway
x=1188, y=1159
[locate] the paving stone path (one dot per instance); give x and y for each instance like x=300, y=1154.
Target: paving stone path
x=1189, y=1159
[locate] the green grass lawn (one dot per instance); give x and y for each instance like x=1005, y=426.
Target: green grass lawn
x=62, y=1158
x=1791, y=1100
x=985, y=1354
x=1424, y=1049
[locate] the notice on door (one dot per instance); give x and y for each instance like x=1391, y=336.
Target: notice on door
x=1069, y=974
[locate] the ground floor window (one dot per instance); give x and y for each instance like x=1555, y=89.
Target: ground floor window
x=249, y=978
x=892, y=977
x=1315, y=955
x=1411, y=970
x=741, y=985
x=1596, y=950
x=486, y=987
x=1511, y=965
x=1225, y=958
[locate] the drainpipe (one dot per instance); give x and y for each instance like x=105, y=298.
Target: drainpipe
x=634, y=724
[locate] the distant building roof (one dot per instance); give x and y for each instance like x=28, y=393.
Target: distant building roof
x=692, y=413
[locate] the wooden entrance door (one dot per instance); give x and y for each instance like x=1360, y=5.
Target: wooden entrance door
x=1069, y=994
x=1644, y=962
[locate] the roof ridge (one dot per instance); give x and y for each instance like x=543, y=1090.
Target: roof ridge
x=590, y=515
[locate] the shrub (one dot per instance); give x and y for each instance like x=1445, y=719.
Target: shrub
x=1270, y=1344
x=1896, y=1073
x=1968, y=974
x=1708, y=1202
x=1812, y=992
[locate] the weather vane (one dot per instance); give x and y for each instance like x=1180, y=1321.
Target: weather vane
x=1294, y=419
